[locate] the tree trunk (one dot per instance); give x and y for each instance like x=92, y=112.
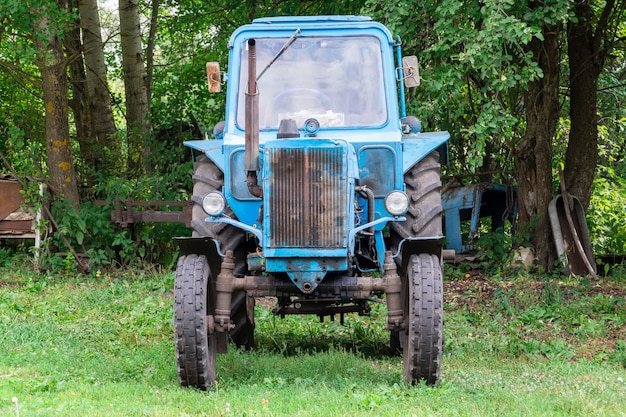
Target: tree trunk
x=103, y=125
x=587, y=48
x=79, y=102
x=134, y=85
x=51, y=63
x=150, y=50
x=533, y=158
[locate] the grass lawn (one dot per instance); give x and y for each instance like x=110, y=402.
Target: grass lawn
x=103, y=346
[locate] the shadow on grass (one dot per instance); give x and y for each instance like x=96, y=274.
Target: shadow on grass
x=302, y=335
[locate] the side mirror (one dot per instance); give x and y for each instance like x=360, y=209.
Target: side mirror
x=213, y=77
x=410, y=71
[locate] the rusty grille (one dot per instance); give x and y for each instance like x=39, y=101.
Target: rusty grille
x=307, y=197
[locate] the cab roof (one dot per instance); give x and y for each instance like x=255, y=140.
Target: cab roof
x=336, y=23
x=312, y=19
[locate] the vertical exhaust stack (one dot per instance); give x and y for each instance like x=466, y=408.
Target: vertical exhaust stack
x=252, y=124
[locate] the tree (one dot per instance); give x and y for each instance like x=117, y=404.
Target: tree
x=491, y=77
x=592, y=36
x=51, y=63
x=22, y=128
x=137, y=125
x=150, y=49
x=104, y=138
x=533, y=156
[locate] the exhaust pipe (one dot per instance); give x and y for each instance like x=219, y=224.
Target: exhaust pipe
x=252, y=124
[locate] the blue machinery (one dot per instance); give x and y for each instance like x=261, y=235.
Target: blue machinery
x=317, y=191
x=470, y=203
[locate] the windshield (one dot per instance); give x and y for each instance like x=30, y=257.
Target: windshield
x=336, y=80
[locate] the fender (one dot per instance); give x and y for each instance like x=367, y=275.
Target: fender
x=430, y=244
x=202, y=246
x=416, y=147
x=214, y=149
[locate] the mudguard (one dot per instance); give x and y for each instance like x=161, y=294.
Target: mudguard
x=416, y=147
x=202, y=246
x=211, y=148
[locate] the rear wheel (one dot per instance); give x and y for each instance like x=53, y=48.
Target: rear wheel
x=422, y=341
x=208, y=177
x=194, y=302
x=423, y=186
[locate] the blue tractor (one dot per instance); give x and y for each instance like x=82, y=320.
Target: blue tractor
x=317, y=190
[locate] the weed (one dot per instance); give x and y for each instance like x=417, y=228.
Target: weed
x=619, y=355
x=492, y=247
x=6, y=255
x=502, y=298
x=618, y=273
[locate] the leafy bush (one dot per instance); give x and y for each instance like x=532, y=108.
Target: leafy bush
x=91, y=231
x=606, y=216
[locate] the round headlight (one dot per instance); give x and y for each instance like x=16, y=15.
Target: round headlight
x=397, y=203
x=214, y=203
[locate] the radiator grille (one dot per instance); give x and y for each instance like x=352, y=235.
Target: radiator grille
x=307, y=197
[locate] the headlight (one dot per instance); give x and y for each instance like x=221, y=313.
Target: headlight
x=214, y=203
x=397, y=203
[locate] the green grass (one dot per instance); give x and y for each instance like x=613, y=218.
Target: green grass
x=104, y=347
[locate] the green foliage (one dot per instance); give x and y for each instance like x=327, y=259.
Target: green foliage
x=620, y=353
x=106, y=244
x=7, y=254
x=493, y=249
x=475, y=68
x=474, y=65
x=606, y=215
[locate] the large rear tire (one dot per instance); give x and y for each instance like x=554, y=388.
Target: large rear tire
x=423, y=336
x=423, y=186
x=208, y=177
x=194, y=304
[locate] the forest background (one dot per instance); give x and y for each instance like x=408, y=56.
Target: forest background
x=98, y=97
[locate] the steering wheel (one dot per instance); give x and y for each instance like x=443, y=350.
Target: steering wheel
x=281, y=103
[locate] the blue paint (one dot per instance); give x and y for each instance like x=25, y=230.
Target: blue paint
x=471, y=203
x=400, y=77
x=416, y=147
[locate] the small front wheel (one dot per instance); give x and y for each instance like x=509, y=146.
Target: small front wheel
x=423, y=341
x=194, y=302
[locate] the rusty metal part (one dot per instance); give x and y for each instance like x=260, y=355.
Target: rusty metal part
x=334, y=295
x=82, y=265
x=224, y=293
x=17, y=226
x=338, y=286
x=210, y=324
x=11, y=198
x=371, y=209
x=308, y=202
x=323, y=308
x=252, y=124
x=147, y=211
x=219, y=338
x=253, y=184
x=448, y=254
x=393, y=288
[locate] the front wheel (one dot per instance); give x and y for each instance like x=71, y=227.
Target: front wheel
x=209, y=177
x=423, y=338
x=194, y=302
